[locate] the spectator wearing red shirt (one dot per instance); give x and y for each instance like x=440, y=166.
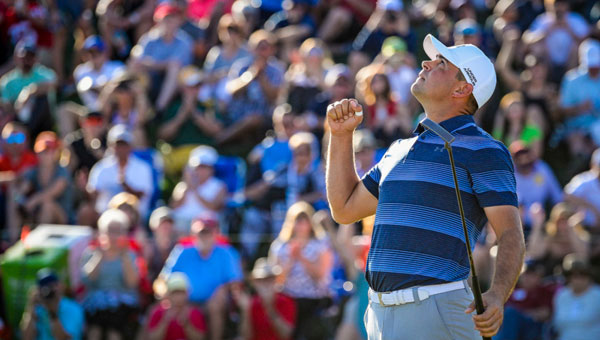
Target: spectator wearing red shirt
x=268, y=315
x=175, y=318
x=16, y=157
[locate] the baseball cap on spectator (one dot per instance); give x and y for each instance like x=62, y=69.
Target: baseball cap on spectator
x=191, y=76
x=259, y=36
x=390, y=5
x=589, y=53
x=46, y=277
x=25, y=47
x=159, y=215
x=206, y=220
x=476, y=67
x=46, y=140
x=263, y=269
x=392, y=45
x=575, y=264
x=93, y=42
x=178, y=281
x=203, y=155
x=124, y=198
x=335, y=72
x=466, y=27
x=119, y=133
x=165, y=9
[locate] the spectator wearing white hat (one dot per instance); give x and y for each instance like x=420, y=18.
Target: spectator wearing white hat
x=269, y=314
x=200, y=191
x=175, y=317
x=120, y=171
x=164, y=239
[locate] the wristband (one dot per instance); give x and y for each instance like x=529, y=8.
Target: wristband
x=359, y=113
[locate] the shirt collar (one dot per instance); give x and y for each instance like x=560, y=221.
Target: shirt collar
x=450, y=124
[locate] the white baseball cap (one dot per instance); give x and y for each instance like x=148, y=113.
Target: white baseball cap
x=203, y=155
x=589, y=53
x=471, y=61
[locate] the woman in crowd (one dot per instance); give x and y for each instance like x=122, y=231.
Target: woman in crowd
x=46, y=188
x=513, y=123
x=561, y=235
x=111, y=281
x=124, y=101
x=304, y=255
x=220, y=57
x=388, y=119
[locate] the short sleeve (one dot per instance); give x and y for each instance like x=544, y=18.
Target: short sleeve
x=568, y=92
x=492, y=177
x=372, y=178
x=287, y=309
x=234, y=272
x=197, y=319
x=155, y=316
x=74, y=323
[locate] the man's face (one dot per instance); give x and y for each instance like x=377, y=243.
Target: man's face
x=264, y=49
x=342, y=88
x=96, y=57
x=524, y=160
x=205, y=236
x=436, y=81
x=15, y=143
x=122, y=149
x=171, y=23
x=26, y=62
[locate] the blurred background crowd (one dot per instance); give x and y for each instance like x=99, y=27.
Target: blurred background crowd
x=162, y=161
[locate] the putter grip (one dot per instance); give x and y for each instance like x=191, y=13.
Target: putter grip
x=478, y=299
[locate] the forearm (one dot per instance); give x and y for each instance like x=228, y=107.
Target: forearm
x=509, y=262
x=239, y=84
x=191, y=333
x=130, y=272
x=92, y=267
x=28, y=325
x=58, y=332
x=341, y=176
x=158, y=332
x=246, y=324
x=55, y=190
x=537, y=244
x=169, y=130
x=280, y=326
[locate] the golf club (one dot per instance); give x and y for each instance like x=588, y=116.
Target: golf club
x=448, y=139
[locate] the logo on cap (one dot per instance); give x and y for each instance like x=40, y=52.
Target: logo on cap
x=470, y=75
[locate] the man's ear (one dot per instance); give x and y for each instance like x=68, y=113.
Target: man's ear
x=462, y=90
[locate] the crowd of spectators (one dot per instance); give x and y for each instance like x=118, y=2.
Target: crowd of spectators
x=191, y=134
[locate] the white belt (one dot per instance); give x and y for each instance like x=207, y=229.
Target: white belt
x=404, y=296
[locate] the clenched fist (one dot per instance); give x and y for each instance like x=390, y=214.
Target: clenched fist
x=344, y=116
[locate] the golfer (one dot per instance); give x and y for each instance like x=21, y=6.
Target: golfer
x=418, y=265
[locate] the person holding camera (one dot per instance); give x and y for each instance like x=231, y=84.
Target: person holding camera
x=50, y=315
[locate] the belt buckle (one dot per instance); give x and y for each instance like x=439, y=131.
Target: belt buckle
x=379, y=295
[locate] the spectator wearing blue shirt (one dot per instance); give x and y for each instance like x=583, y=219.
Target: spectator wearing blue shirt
x=48, y=314
x=579, y=94
x=536, y=182
x=210, y=269
x=162, y=52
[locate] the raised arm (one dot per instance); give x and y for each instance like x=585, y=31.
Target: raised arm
x=348, y=198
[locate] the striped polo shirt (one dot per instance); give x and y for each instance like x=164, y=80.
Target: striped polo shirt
x=418, y=237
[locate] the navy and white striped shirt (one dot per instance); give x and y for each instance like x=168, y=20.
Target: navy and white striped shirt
x=418, y=238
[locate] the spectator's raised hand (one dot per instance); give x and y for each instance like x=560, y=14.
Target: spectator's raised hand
x=241, y=298
x=537, y=214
